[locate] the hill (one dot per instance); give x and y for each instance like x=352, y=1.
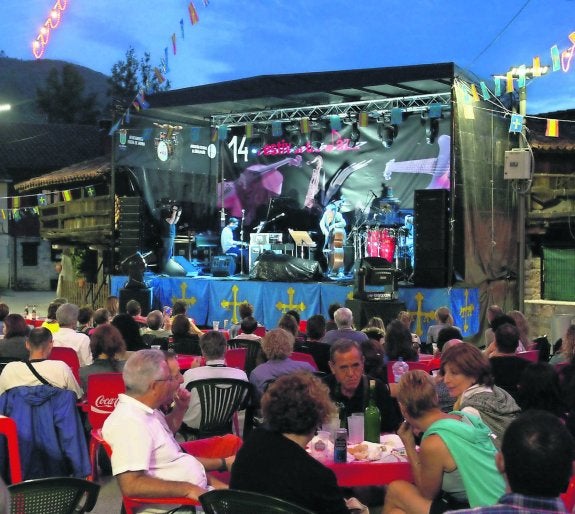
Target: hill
x=19, y=80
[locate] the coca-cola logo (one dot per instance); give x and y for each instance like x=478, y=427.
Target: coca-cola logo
x=106, y=402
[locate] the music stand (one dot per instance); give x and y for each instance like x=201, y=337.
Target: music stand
x=302, y=239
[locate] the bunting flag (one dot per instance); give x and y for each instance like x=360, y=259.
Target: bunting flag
x=516, y=124
x=15, y=202
x=42, y=200
x=484, y=90
x=3, y=214
x=182, y=27
x=249, y=130
x=90, y=191
x=136, y=106
x=521, y=76
x=147, y=133
x=497, y=82
x=36, y=211
x=304, y=125
x=214, y=135
x=141, y=100
x=115, y=127
x=159, y=75
x=335, y=122
x=536, y=66
x=552, y=129
x=509, y=85
x=396, y=116
x=277, y=129
x=174, y=43
x=166, y=68
x=222, y=132
x=474, y=93
x=67, y=195
x=193, y=14
x=127, y=116
x=363, y=119
x=16, y=214
x=555, y=59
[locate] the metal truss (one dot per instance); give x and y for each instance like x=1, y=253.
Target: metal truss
x=348, y=111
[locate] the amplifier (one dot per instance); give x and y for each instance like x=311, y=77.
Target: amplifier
x=379, y=296
x=223, y=265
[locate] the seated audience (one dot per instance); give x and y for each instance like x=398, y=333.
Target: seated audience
x=289, y=324
x=130, y=332
x=213, y=345
x=374, y=366
x=277, y=345
x=181, y=307
x=53, y=372
x=112, y=305
x=155, y=320
x=398, y=343
x=67, y=317
x=447, y=336
x=85, y=320
x=493, y=311
x=297, y=317
x=134, y=309
x=522, y=325
x=467, y=374
x=108, y=353
x=4, y=311
x=567, y=348
x=14, y=343
x=315, y=330
x=454, y=467
x=443, y=318
x=50, y=322
x=407, y=319
x=244, y=309
x=375, y=329
x=506, y=366
x=539, y=389
x=183, y=340
x=101, y=317
x=344, y=320
x=348, y=385
x=146, y=458
x=293, y=407
x=536, y=460
x=330, y=323
x=248, y=326
x=495, y=324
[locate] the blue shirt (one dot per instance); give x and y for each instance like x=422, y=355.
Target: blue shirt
x=513, y=503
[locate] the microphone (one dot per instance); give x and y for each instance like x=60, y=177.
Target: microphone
x=280, y=215
x=243, y=211
x=374, y=195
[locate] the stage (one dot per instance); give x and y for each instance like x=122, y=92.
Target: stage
x=217, y=299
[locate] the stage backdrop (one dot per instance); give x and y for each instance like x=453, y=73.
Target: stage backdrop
x=217, y=300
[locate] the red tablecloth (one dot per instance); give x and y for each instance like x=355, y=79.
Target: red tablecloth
x=353, y=474
x=186, y=361
x=225, y=332
x=35, y=322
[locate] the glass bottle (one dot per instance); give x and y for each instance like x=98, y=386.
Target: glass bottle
x=372, y=417
x=33, y=312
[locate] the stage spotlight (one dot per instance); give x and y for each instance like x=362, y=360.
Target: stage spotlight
x=386, y=134
x=294, y=137
x=354, y=134
x=134, y=266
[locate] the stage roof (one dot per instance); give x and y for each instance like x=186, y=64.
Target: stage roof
x=242, y=101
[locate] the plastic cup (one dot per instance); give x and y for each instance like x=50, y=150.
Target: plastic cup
x=225, y=324
x=215, y=325
x=355, y=428
x=156, y=347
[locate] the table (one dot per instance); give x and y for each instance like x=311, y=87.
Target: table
x=355, y=474
x=35, y=322
x=226, y=333
x=185, y=361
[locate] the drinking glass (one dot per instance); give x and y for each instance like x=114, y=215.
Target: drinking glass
x=215, y=325
x=355, y=427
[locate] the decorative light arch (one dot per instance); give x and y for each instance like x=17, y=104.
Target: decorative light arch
x=52, y=22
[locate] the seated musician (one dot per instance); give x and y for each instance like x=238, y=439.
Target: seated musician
x=230, y=245
x=332, y=225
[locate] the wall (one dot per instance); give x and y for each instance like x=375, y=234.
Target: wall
x=34, y=277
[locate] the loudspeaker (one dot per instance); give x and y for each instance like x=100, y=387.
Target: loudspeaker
x=130, y=226
x=223, y=265
x=363, y=310
x=142, y=296
x=431, y=228
x=190, y=268
x=174, y=269
x=285, y=268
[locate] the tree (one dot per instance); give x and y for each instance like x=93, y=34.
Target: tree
x=63, y=99
x=131, y=76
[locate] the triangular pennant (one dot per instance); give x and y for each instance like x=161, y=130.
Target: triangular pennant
x=142, y=101
x=516, y=124
x=552, y=129
x=15, y=202
x=36, y=210
x=16, y=215
x=3, y=213
x=159, y=75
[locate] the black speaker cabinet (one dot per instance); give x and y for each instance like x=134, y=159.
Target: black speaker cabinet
x=431, y=227
x=364, y=310
x=223, y=265
x=142, y=296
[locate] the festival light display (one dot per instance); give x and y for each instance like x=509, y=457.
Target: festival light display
x=52, y=22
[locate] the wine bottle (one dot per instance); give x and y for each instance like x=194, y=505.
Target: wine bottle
x=372, y=417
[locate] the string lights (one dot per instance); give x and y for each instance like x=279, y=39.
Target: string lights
x=51, y=23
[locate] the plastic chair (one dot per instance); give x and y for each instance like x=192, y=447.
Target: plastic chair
x=304, y=357
x=9, y=431
x=212, y=447
x=101, y=398
x=152, y=340
x=220, y=399
x=229, y=501
x=542, y=344
x=69, y=356
x=53, y=496
x=568, y=496
x=319, y=352
x=254, y=354
x=236, y=357
x=423, y=365
x=530, y=355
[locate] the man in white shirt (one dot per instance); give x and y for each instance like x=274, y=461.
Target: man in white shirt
x=146, y=458
x=67, y=317
x=213, y=346
x=56, y=373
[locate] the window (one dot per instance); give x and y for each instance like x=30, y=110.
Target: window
x=30, y=254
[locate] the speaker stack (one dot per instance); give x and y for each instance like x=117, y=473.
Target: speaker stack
x=431, y=226
x=130, y=226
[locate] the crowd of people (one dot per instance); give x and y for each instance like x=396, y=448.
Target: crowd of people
x=461, y=425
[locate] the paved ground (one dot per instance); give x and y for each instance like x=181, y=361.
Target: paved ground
x=17, y=300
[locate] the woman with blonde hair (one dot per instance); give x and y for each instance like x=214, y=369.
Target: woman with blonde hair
x=567, y=348
x=455, y=465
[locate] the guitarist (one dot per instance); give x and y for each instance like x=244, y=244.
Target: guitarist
x=230, y=245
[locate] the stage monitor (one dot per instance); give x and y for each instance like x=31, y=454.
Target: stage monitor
x=375, y=279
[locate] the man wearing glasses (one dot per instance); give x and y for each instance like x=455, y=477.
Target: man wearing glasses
x=146, y=458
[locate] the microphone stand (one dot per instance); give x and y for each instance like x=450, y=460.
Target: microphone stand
x=242, y=243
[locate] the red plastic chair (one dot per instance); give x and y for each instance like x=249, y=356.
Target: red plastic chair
x=236, y=357
x=423, y=365
x=530, y=355
x=211, y=447
x=8, y=430
x=259, y=331
x=568, y=496
x=304, y=357
x=101, y=399
x=69, y=356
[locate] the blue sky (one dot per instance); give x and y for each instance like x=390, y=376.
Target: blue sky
x=236, y=39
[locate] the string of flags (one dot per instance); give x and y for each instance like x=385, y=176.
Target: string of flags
x=17, y=212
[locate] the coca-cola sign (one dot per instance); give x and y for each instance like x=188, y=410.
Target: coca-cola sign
x=104, y=404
